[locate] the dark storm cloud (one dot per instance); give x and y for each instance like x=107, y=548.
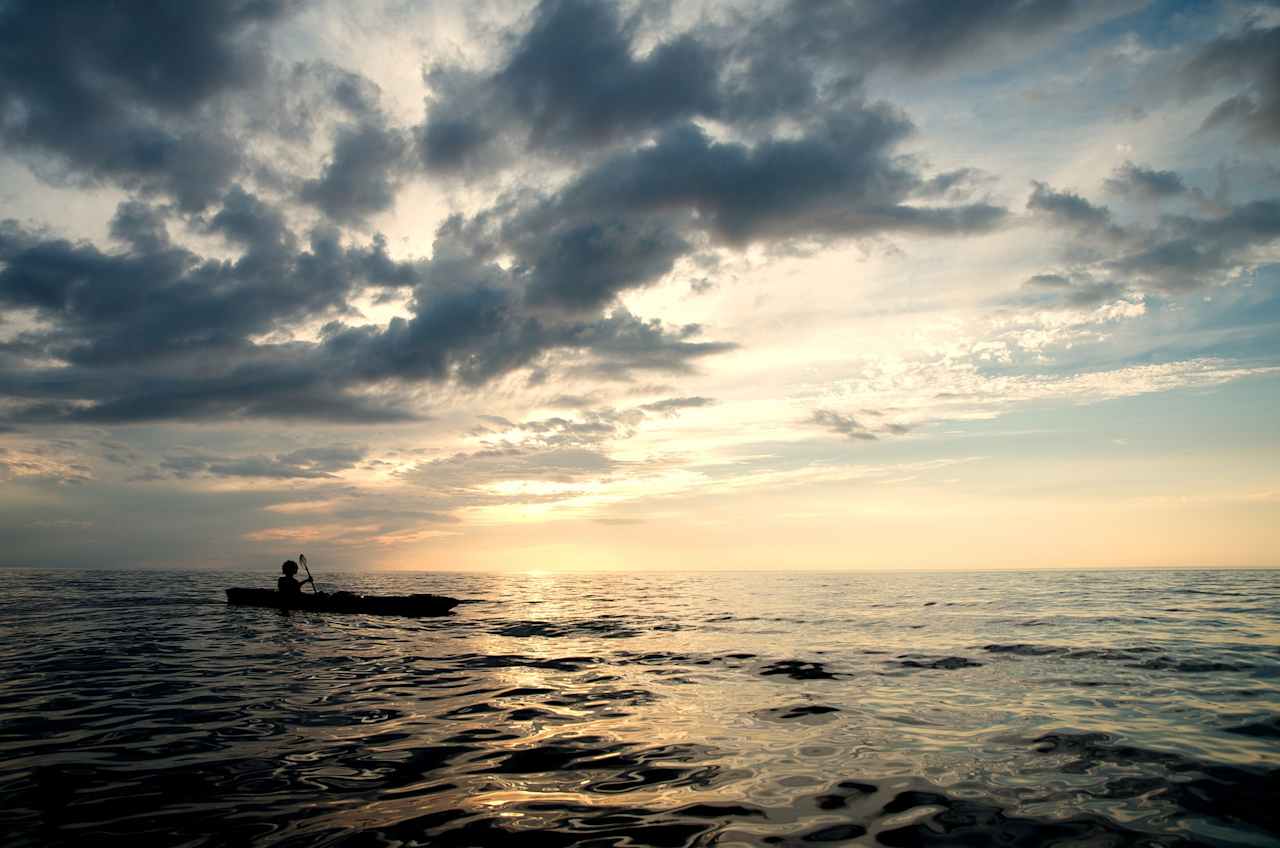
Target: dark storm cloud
x=157, y=299
x=664, y=189
x=474, y=333
x=474, y=336
x=561, y=104
x=802, y=57
x=838, y=180
x=265, y=384
x=586, y=265
x=1145, y=183
x=122, y=92
x=327, y=381
x=921, y=36
x=544, y=93
x=141, y=226
x=362, y=174
x=796, y=60
x=157, y=332
x=778, y=188
x=624, y=222
x=246, y=220
x=453, y=137
x=1249, y=60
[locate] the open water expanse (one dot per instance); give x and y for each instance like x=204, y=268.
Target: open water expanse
x=1051, y=708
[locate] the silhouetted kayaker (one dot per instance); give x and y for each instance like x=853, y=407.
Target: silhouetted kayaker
x=288, y=584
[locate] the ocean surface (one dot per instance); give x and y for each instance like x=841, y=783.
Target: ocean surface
x=1015, y=709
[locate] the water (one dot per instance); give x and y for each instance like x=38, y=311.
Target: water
x=1063, y=708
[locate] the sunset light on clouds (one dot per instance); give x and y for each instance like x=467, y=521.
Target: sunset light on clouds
x=700, y=285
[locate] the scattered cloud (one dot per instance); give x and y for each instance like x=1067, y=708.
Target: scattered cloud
x=1247, y=60
x=845, y=425
x=1071, y=211
x=1145, y=183
x=307, y=463
x=103, y=94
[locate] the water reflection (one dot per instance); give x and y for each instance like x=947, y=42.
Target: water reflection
x=648, y=710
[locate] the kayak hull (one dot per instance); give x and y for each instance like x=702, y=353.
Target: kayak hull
x=415, y=606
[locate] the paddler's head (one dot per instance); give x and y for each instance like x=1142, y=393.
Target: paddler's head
x=289, y=567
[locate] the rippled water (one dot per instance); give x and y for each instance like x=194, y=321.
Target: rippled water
x=1063, y=708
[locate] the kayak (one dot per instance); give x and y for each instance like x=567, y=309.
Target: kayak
x=411, y=605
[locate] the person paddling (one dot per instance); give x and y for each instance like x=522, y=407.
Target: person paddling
x=289, y=585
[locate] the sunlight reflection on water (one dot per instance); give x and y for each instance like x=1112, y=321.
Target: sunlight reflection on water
x=653, y=709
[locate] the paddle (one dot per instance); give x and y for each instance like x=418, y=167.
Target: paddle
x=302, y=558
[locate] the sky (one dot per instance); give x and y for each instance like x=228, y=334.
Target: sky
x=583, y=284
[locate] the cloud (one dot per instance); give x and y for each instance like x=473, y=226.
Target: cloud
x=603, y=161
x=622, y=223
x=941, y=389
x=592, y=429
x=307, y=463
x=793, y=62
x=845, y=425
x=541, y=93
x=838, y=180
x=957, y=184
x=1144, y=183
x=1249, y=59
x=1074, y=292
x=545, y=460
x=622, y=93
x=477, y=469
x=141, y=226
x=1187, y=252
x=1071, y=210
x=1179, y=253
x=586, y=265
x=623, y=344
x=159, y=332
x=158, y=299
x=669, y=406
x=49, y=463
x=647, y=182
x=918, y=36
x=574, y=401
x=363, y=173
x=345, y=534
x=110, y=92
